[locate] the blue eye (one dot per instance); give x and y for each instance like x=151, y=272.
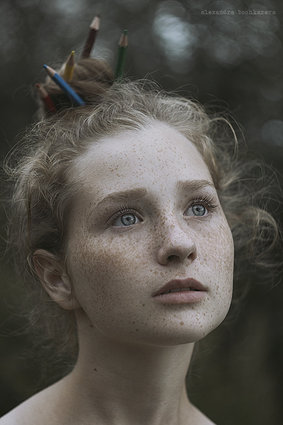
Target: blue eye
x=126, y=216
x=127, y=219
x=201, y=207
x=198, y=210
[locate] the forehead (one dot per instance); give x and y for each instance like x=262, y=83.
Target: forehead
x=155, y=155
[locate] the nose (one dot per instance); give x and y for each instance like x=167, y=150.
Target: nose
x=177, y=246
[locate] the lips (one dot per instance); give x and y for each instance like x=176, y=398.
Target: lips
x=182, y=285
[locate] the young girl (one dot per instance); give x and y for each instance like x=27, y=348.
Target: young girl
x=122, y=218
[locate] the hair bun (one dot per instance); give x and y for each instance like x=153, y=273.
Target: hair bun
x=91, y=78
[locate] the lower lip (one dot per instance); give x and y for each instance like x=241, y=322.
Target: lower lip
x=182, y=297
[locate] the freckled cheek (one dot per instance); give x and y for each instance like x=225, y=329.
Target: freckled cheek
x=101, y=270
x=223, y=253
x=217, y=251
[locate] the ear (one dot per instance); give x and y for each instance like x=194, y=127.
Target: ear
x=54, y=279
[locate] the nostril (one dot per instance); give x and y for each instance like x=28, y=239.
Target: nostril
x=171, y=257
x=176, y=252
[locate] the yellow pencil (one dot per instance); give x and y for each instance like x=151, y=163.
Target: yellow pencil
x=69, y=67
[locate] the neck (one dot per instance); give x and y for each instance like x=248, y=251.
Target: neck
x=118, y=383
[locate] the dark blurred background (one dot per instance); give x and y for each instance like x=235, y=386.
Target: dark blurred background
x=229, y=56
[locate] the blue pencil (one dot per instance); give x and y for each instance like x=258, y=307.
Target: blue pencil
x=64, y=86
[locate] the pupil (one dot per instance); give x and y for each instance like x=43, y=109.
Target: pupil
x=198, y=209
x=128, y=219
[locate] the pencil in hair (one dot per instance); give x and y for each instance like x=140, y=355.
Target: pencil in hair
x=63, y=85
x=93, y=30
x=45, y=98
x=123, y=44
x=69, y=67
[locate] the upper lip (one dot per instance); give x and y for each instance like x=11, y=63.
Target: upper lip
x=181, y=283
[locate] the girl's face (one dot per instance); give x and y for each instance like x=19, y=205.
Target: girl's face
x=139, y=223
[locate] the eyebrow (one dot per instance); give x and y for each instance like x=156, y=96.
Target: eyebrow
x=133, y=194
x=141, y=192
x=194, y=185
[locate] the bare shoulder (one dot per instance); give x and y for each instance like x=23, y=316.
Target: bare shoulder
x=30, y=412
x=198, y=417
x=24, y=414
x=35, y=410
x=15, y=417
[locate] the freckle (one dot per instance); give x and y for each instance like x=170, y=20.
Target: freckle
x=137, y=330
x=143, y=305
x=181, y=323
x=95, y=370
x=91, y=326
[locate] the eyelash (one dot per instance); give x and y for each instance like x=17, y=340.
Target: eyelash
x=207, y=201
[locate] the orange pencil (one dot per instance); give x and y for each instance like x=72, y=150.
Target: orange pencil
x=93, y=30
x=46, y=98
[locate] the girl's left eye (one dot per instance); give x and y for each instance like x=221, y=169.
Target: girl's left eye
x=197, y=210
x=201, y=207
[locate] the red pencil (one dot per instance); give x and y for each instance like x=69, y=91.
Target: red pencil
x=46, y=98
x=93, y=29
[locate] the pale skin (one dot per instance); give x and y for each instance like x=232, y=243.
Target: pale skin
x=135, y=352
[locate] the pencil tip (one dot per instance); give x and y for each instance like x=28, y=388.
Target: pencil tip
x=95, y=23
x=124, y=39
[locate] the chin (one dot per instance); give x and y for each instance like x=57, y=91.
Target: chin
x=174, y=334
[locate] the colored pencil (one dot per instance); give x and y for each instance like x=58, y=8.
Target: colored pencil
x=46, y=98
x=63, y=85
x=123, y=44
x=69, y=67
x=93, y=30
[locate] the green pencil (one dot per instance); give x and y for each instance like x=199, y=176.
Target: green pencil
x=123, y=44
